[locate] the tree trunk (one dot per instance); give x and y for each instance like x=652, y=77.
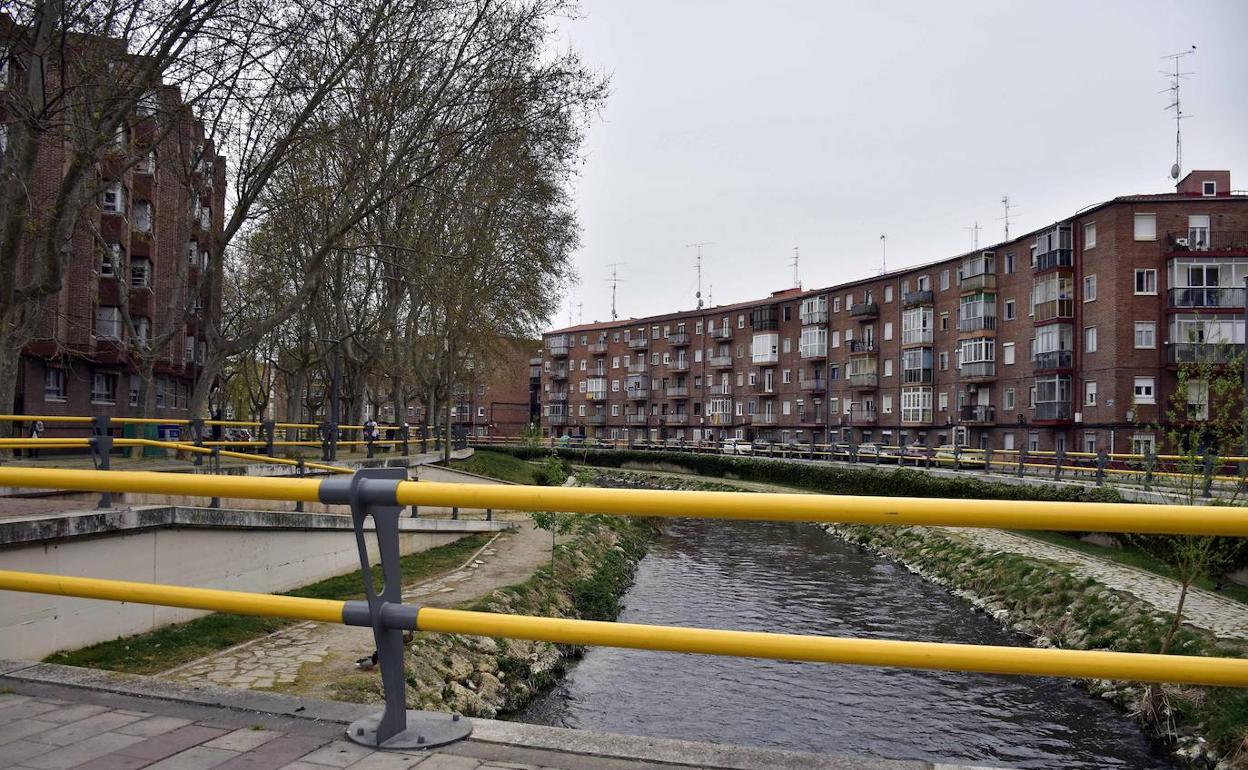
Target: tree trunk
x=1178, y=618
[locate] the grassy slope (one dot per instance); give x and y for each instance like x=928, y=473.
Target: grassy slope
x=498, y=466
x=172, y=646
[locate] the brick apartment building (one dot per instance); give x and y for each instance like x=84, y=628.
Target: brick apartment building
x=1069, y=336
x=162, y=199
x=501, y=400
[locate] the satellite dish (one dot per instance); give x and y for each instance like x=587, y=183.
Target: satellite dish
x=1174, y=171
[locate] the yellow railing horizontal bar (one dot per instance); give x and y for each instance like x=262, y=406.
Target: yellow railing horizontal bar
x=238, y=602
x=1226, y=672
x=152, y=482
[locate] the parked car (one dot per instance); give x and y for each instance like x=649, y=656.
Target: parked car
x=736, y=446
x=917, y=451
x=947, y=453
x=236, y=434
x=883, y=452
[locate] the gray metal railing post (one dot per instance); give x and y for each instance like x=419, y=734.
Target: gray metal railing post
x=957, y=457
x=101, y=450
x=267, y=429
x=216, y=468
x=1207, y=491
x=1058, y=455
x=301, y=470
x=1149, y=462
x=404, y=436
x=1101, y=459
x=372, y=494
x=1022, y=461
x=326, y=442
x=197, y=438
x=987, y=459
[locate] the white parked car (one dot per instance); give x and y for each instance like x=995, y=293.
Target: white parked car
x=736, y=446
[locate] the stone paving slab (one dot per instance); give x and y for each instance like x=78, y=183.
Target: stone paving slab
x=1221, y=616
x=149, y=723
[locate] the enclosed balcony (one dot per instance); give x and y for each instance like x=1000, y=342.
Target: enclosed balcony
x=719, y=389
x=814, y=351
x=921, y=376
x=639, y=343
x=977, y=323
x=557, y=395
x=861, y=346
x=862, y=414
x=865, y=311
x=921, y=298
x=720, y=362
x=557, y=349
x=765, y=418
x=1201, y=239
x=637, y=419
x=558, y=374
x=1206, y=296
x=1054, y=248
x=596, y=419
x=678, y=365
x=598, y=348
x=864, y=381
x=678, y=339
x=678, y=391
x=1203, y=353
x=815, y=316
x=977, y=414
x=1056, y=359
x=597, y=396
x=1053, y=411
x=556, y=419
x=979, y=370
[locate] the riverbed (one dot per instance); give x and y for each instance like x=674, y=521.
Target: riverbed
x=795, y=578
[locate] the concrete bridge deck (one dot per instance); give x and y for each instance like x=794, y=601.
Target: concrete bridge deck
x=58, y=717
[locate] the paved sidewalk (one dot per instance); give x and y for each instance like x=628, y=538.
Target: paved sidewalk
x=1223, y=617
x=57, y=717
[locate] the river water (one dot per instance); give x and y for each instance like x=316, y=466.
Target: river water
x=798, y=579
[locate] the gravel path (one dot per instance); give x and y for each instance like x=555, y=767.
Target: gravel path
x=306, y=657
x=1223, y=617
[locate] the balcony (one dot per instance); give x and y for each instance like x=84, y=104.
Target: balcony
x=979, y=370
x=596, y=396
x=817, y=385
x=1054, y=259
x=638, y=394
x=720, y=362
x=765, y=418
x=720, y=389
x=1203, y=352
x=638, y=368
x=810, y=418
x=917, y=376
x=862, y=415
x=977, y=414
x=597, y=348
x=916, y=416
x=639, y=343
x=679, y=365
x=637, y=419
x=680, y=418
x=921, y=298
x=1203, y=241
x=722, y=333
x=916, y=337
x=678, y=391
x=558, y=395
x=556, y=419
x=557, y=350
x=812, y=317
x=596, y=419
x=1057, y=359
x=864, y=381
x=865, y=311
x=1197, y=296
x=1053, y=410
x=979, y=282
x=814, y=351
x=559, y=374
x=977, y=324
x=861, y=346
x=679, y=339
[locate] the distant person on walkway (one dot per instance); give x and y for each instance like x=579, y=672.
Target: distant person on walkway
x=36, y=432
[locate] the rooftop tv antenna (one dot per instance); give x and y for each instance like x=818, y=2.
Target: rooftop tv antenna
x=580, y=312
x=1176, y=104
x=1005, y=203
x=698, y=263
x=614, y=280
x=883, y=253
x=797, y=283
x=975, y=228
x=710, y=295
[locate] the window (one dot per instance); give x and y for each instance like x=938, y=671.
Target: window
x=615, y=386
x=1089, y=442
x=1145, y=390
x=1007, y=353
x=1145, y=281
x=113, y=200
x=888, y=367
x=188, y=352
x=944, y=322
x=140, y=274
x=615, y=362
x=136, y=383
x=836, y=304
x=1146, y=227
x=944, y=361
x=786, y=376
x=1143, y=444
x=104, y=388
x=108, y=322
x=697, y=327
x=888, y=330
x=942, y=401
x=1198, y=400
x=141, y=328
x=110, y=259
x=944, y=280
x=192, y=251
x=1089, y=288
x=836, y=339
x=740, y=320
x=788, y=345
x=786, y=407
x=887, y=404
x=1089, y=339
x=146, y=164
x=888, y=293
x=53, y=383
x=1011, y=310
x=1009, y=263
x=1208, y=188
x=1089, y=236
x=1146, y=334
x=697, y=355
x=1089, y=393
x=1009, y=399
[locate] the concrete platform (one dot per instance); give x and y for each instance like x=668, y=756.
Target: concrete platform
x=54, y=717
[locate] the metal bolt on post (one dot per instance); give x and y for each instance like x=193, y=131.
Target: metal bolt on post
x=372, y=493
x=101, y=449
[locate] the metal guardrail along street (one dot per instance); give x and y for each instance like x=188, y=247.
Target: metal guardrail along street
x=380, y=494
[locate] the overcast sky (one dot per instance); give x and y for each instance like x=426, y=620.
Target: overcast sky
x=765, y=126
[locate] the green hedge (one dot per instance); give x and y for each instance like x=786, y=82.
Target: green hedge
x=839, y=479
